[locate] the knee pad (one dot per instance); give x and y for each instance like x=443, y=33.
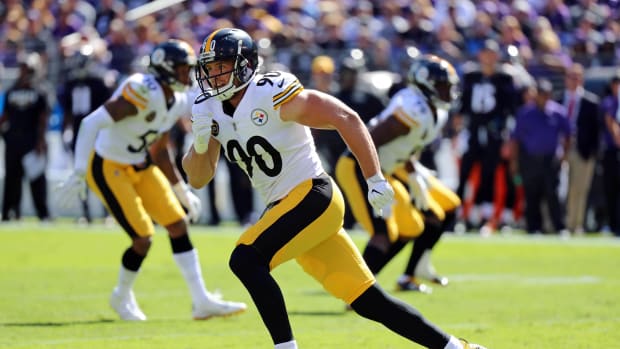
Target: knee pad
x=246, y=258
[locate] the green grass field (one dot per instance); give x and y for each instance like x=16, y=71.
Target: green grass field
x=506, y=292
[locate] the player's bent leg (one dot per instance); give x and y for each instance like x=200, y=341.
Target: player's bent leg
x=252, y=269
x=424, y=269
x=376, y=305
x=337, y=264
x=204, y=304
x=141, y=245
x=125, y=306
x=419, y=262
x=114, y=185
x=375, y=253
x=122, y=299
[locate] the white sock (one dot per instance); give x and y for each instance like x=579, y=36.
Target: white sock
x=424, y=267
x=454, y=343
x=190, y=268
x=126, y=279
x=287, y=345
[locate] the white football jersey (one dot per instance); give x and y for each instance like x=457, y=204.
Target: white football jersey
x=411, y=108
x=276, y=155
x=127, y=140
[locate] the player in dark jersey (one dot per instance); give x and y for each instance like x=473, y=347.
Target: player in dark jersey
x=23, y=124
x=83, y=91
x=488, y=101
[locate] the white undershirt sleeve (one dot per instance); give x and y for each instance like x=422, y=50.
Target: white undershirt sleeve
x=90, y=126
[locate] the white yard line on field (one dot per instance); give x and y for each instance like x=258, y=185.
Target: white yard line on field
x=528, y=279
x=150, y=337
x=524, y=239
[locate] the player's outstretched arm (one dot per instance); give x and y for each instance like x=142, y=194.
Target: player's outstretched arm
x=319, y=110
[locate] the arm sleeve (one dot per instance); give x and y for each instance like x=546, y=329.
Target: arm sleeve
x=98, y=119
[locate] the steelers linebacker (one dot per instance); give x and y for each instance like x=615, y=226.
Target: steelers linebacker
x=122, y=153
x=412, y=120
x=262, y=122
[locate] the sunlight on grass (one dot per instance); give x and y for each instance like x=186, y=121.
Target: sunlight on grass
x=506, y=292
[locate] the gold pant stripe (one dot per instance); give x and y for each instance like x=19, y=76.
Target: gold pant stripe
x=445, y=197
x=306, y=225
x=104, y=192
x=409, y=220
x=305, y=207
x=347, y=177
x=136, y=198
x=404, y=221
x=442, y=198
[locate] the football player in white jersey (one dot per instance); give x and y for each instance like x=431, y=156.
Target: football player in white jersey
x=413, y=119
x=262, y=122
x=122, y=153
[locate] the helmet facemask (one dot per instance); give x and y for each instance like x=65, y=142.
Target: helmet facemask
x=170, y=75
x=166, y=60
x=437, y=80
x=445, y=94
x=227, y=90
x=240, y=74
x=176, y=84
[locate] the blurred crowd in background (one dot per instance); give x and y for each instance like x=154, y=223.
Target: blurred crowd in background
x=359, y=51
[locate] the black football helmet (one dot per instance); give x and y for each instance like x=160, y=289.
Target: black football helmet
x=80, y=63
x=29, y=66
x=166, y=58
x=436, y=78
x=227, y=44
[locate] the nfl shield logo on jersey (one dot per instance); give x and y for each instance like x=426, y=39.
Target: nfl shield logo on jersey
x=259, y=117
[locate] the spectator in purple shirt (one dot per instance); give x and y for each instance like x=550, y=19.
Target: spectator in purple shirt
x=541, y=129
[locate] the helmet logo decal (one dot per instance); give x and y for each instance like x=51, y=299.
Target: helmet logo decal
x=259, y=117
x=158, y=56
x=422, y=74
x=229, y=45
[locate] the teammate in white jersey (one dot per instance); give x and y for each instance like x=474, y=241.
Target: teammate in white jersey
x=262, y=122
x=122, y=153
x=412, y=120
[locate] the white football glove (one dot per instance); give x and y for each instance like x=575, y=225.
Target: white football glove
x=201, y=130
x=70, y=189
x=380, y=195
x=425, y=172
x=189, y=200
x=418, y=189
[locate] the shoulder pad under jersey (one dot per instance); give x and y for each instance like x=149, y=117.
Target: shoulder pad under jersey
x=136, y=93
x=411, y=109
x=285, y=87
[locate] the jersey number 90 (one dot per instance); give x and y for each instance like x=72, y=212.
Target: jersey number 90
x=252, y=153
